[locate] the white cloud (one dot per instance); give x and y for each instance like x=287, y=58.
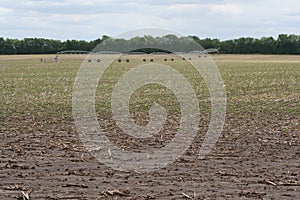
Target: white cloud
x=227, y=9
x=5, y=11
x=89, y=19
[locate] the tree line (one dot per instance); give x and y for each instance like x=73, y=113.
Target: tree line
x=283, y=44
x=44, y=46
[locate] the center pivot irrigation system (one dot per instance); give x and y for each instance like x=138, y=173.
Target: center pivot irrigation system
x=205, y=51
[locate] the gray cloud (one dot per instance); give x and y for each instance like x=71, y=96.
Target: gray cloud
x=90, y=19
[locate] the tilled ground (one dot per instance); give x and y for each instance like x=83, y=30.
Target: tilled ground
x=256, y=157
x=247, y=163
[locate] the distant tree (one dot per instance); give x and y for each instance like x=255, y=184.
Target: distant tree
x=284, y=44
x=288, y=44
x=266, y=45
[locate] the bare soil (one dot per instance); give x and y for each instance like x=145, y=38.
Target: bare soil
x=257, y=157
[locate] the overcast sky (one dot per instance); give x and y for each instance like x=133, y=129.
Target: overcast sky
x=90, y=19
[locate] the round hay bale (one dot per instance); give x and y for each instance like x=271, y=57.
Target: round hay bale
x=119, y=60
x=151, y=60
x=127, y=60
x=144, y=60
x=98, y=60
x=89, y=60
x=165, y=59
x=172, y=59
x=183, y=58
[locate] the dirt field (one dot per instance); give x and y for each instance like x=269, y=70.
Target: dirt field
x=256, y=157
